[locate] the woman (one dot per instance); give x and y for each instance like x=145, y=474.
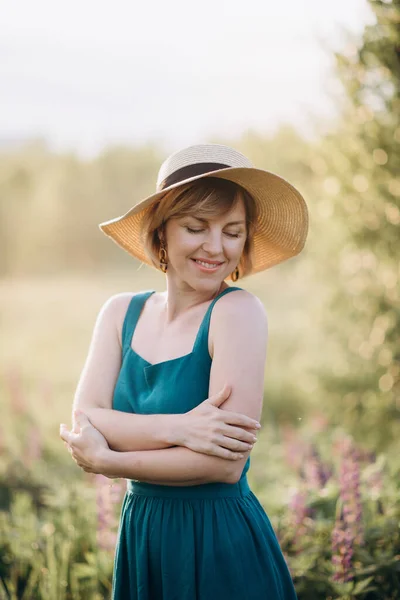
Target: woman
x=157, y=410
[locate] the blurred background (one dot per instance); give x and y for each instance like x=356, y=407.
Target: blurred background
x=93, y=97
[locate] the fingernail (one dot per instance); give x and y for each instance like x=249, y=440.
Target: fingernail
x=258, y=425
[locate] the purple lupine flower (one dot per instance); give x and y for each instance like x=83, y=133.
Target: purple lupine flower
x=348, y=529
x=349, y=481
x=314, y=471
x=299, y=513
x=14, y=384
x=106, y=496
x=33, y=449
x=298, y=507
x=294, y=448
x=342, y=551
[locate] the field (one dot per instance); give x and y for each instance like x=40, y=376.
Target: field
x=59, y=537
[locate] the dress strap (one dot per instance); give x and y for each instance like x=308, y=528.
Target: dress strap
x=131, y=318
x=202, y=334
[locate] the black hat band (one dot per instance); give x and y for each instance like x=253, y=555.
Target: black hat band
x=191, y=171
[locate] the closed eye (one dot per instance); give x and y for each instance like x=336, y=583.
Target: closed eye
x=194, y=230
x=232, y=235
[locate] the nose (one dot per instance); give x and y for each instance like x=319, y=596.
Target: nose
x=213, y=243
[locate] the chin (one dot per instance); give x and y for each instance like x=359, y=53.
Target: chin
x=202, y=281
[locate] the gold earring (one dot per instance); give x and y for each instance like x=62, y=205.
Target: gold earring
x=162, y=255
x=235, y=274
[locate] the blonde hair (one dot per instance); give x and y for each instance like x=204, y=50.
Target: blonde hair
x=204, y=198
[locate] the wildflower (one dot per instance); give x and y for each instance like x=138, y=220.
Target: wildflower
x=314, y=471
x=348, y=530
x=106, y=497
x=294, y=448
x=33, y=449
x=342, y=551
x=299, y=513
x=14, y=384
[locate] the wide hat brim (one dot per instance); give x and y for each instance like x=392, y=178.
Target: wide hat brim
x=282, y=224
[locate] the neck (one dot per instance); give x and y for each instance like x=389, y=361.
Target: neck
x=180, y=297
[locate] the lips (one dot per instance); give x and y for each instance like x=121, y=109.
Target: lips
x=209, y=262
x=207, y=265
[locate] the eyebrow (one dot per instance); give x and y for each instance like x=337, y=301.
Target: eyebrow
x=242, y=222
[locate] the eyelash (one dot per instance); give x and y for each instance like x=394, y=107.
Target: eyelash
x=232, y=235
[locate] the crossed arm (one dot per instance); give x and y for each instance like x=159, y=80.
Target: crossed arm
x=143, y=447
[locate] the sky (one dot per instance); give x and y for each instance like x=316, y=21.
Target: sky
x=85, y=74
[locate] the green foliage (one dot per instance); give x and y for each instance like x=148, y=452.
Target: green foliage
x=360, y=162
x=53, y=552
x=49, y=519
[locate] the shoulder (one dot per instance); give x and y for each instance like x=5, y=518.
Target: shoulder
x=117, y=304
x=114, y=310
x=238, y=318
x=239, y=306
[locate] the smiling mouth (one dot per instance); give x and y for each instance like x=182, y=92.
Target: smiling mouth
x=207, y=265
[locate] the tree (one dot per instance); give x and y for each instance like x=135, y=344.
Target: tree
x=362, y=161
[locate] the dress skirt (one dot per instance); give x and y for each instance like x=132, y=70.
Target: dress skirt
x=205, y=542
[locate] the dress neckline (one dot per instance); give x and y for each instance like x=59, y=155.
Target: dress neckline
x=178, y=358
x=163, y=362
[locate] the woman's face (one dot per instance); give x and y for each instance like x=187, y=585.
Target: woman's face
x=203, y=252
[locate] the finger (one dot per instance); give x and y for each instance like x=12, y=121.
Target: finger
x=221, y=396
x=64, y=433
x=225, y=453
x=239, y=433
x=233, y=418
x=233, y=444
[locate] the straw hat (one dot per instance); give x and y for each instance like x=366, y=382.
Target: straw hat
x=282, y=224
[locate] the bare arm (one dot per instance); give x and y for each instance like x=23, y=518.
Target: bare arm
x=239, y=350
x=94, y=394
x=127, y=432
x=173, y=466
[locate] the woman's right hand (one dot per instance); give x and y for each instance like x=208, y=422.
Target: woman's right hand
x=210, y=430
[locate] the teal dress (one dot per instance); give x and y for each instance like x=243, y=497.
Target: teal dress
x=212, y=541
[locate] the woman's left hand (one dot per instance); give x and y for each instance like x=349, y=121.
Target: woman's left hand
x=85, y=443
